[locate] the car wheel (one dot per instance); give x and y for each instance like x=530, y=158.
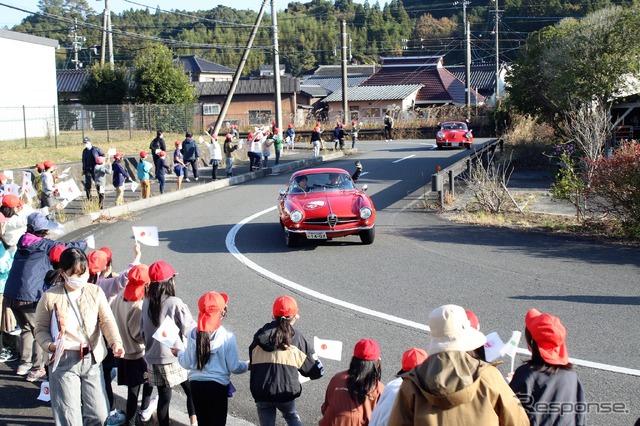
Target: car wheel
x=290, y=238
x=468, y=146
x=440, y=146
x=368, y=235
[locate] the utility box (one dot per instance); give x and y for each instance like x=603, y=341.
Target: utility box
x=436, y=182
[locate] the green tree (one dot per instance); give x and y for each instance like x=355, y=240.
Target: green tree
x=105, y=86
x=159, y=80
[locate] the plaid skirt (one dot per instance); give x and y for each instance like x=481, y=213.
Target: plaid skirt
x=7, y=320
x=167, y=374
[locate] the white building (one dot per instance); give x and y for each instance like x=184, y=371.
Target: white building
x=28, y=85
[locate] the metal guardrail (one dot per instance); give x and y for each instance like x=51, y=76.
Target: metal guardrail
x=462, y=166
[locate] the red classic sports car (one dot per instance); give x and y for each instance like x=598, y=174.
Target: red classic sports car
x=324, y=203
x=454, y=133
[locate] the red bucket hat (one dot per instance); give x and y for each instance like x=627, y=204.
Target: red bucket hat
x=138, y=277
x=55, y=252
x=97, y=261
x=211, y=307
x=413, y=357
x=143, y=154
x=549, y=334
x=160, y=271
x=285, y=306
x=367, y=350
x=108, y=251
x=12, y=201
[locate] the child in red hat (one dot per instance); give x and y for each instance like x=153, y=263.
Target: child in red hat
x=211, y=356
x=548, y=377
x=120, y=175
x=276, y=355
x=164, y=370
x=144, y=169
x=352, y=394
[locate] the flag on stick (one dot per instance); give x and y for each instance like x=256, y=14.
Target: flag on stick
x=330, y=349
x=68, y=190
x=147, y=235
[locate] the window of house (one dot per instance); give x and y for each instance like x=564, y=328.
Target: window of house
x=259, y=117
x=211, y=109
x=354, y=112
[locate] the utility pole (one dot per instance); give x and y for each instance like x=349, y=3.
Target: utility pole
x=468, y=72
x=106, y=29
x=276, y=65
x=345, y=99
x=497, y=12
x=236, y=76
x=76, y=44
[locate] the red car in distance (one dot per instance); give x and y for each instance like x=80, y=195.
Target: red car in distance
x=454, y=134
x=323, y=204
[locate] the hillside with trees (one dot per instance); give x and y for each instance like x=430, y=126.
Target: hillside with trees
x=309, y=32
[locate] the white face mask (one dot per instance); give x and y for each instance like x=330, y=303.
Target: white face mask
x=77, y=283
x=87, y=145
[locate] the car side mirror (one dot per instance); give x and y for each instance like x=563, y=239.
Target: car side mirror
x=364, y=187
x=282, y=192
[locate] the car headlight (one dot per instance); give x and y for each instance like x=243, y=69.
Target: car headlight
x=440, y=135
x=296, y=216
x=365, y=213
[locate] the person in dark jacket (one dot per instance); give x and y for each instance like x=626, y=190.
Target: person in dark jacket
x=276, y=356
x=548, y=378
x=157, y=144
x=191, y=155
x=338, y=136
x=89, y=155
x=25, y=285
x=120, y=175
x=316, y=140
x=161, y=170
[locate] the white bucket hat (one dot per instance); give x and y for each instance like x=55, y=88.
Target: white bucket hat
x=451, y=330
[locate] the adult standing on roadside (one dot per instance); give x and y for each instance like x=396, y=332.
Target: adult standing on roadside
x=277, y=355
x=452, y=387
x=191, y=155
x=157, y=144
x=228, y=155
x=77, y=388
x=24, y=287
x=388, y=127
x=89, y=155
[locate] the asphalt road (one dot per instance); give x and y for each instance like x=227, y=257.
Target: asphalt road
x=418, y=262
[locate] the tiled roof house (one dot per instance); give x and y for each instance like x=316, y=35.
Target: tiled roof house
x=200, y=69
x=439, y=86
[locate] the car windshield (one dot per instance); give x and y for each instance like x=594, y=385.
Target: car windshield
x=318, y=182
x=454, y=126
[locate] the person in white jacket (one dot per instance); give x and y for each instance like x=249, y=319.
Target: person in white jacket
x=210, y=357
x=255, y=150
x=215, y=153
x=410, y=359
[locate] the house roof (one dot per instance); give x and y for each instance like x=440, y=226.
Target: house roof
x=483, y=76
x=195, y=65
x=438, y=84
x=247, y=86
x=336, y=70
x=314, y=90
x=334, y=83
x=71, y=80
x=375, y=93
x=403, y=61
x=27, y=38
x=270, y=67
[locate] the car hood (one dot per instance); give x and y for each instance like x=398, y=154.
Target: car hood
x=341, y=203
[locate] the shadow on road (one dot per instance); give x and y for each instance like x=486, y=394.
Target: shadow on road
x=597, y=300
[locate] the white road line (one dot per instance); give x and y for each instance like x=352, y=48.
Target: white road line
x=405, y=158
x=230, y=242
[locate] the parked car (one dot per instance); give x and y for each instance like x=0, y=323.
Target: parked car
x=455, y=134
x=323, y=204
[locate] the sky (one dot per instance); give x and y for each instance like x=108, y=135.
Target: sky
x=10, y=17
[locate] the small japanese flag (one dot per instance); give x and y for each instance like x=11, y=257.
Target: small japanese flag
x=330, y=349
x=493, y=347
x=68, y=190
x=147, y=235
x=111, y=152
x=27, y=186
x=8, y=174
x=91, y=241
x=168, y=333
x=134, y=186
x=12, y=189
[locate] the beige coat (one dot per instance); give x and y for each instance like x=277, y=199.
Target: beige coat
x=94, y=311
x=453, y=388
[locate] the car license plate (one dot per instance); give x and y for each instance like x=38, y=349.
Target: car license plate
x=316, y=235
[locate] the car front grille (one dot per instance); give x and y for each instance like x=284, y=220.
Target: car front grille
x=331, y=220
